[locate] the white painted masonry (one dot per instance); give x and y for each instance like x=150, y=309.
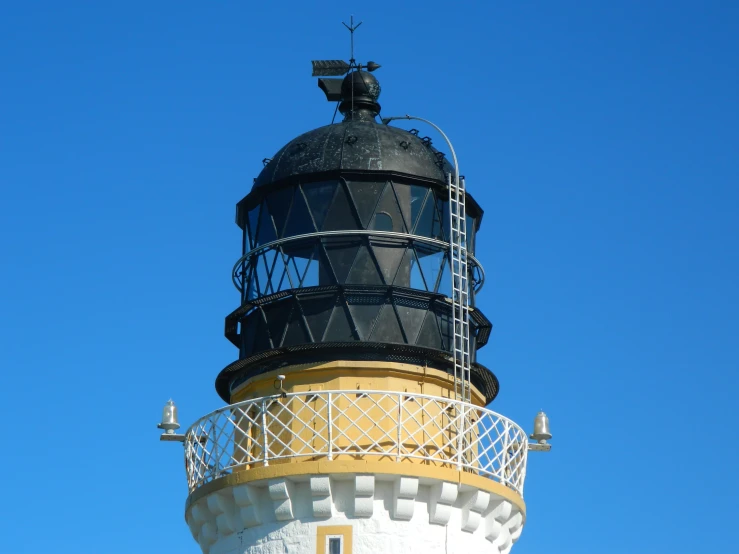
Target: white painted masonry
x=389, y=514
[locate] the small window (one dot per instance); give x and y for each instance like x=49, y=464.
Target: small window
x=334, y=539
x=383, y=222
x=334, y=545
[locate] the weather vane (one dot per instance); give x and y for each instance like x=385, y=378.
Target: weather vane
x=335, y=68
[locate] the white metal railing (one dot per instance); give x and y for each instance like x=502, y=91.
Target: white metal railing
x=350, y=425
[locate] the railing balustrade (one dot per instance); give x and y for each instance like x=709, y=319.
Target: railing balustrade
x=356, y=425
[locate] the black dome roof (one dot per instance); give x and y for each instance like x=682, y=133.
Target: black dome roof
x=362, y=146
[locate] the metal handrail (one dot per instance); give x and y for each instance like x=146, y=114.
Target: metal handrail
x=355, y=232
x=396, y=427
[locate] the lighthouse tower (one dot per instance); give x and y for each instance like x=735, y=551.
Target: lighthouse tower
x=355, y=420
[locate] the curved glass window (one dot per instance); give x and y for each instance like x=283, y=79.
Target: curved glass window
x=335, y=260
x=351, y=205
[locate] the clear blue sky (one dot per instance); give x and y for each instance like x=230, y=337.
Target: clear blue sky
x=602, y=141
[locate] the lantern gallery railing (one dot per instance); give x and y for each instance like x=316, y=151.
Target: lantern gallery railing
x=292, y=262
x=356, y=425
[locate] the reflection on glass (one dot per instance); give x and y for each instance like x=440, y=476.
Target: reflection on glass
x=417, y=280
x=418, y=202
x=445, y=280
x=431, y=261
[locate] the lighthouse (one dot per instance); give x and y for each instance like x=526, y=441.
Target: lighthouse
x=355, y=418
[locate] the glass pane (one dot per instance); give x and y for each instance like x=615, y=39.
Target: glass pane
x=388, y=257
x=341, y=214
x=431, y=261
x=317, y=311
x=470, y=234
x=388, y=205
x=446, y=325
x=418, y=200
x=365, y=270
x=339, y=328
x=417, y=280
x=365, y=195
x=443, y=213
x=248, y=328
x=404, y=197
x=279, y=206
x=298, y=258
x=252, y=224
x=301, y=266
x=403, y=274
x=280, y=280
x=277, y=316
x=264, y=267
x=276, y=267
x=429, y=335
x=296, y=332
x=319, y=196
x=261, y=337
x=364, y=316
x=427, y=224
x=445, y=279
x=334, y=545
x=252, y=291
x=311, y=274
x=266, y=227
x=387, y=328
x=299, y=221
x=341, y=254
x=411, y=318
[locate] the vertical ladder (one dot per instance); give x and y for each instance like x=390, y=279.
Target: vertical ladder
x=460, y=288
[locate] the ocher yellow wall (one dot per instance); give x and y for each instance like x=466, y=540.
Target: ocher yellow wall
x=368, y=423
x=350, y=376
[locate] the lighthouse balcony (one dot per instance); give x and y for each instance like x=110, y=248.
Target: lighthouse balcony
x=399, y=432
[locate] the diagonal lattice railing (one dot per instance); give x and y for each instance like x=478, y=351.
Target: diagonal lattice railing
x=349, y=425
x=293, y=262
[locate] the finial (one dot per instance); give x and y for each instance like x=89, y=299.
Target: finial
x=359, y=93
x=352, y=28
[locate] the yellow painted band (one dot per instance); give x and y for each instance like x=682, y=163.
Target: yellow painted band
x=360, y=371
x=357, y=466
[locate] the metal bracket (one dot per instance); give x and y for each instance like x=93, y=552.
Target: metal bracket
x=172, y=437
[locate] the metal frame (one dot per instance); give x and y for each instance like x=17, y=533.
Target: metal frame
x=238, y=268
x=396, y=427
